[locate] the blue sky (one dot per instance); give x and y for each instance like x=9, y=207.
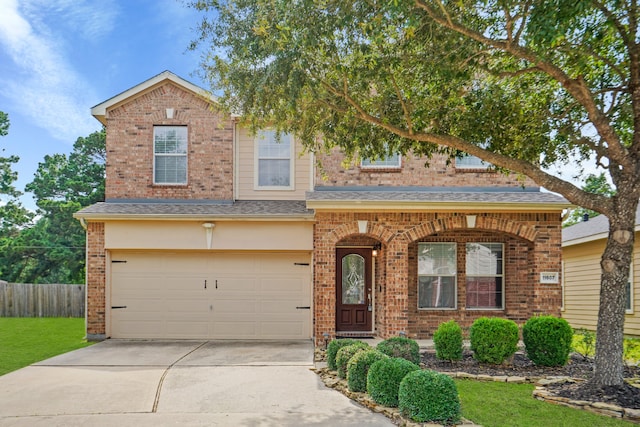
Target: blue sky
x=58, y=58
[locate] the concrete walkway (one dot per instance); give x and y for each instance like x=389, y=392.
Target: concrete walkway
x=185, y=383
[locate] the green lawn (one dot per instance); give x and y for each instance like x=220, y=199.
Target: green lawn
x=502, y=405
x=24, y=341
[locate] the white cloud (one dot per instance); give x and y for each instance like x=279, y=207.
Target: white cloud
x=42, y=84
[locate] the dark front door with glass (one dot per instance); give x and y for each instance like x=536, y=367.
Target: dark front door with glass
x=353, y=289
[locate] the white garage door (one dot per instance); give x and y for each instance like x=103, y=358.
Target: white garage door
x=210, y=296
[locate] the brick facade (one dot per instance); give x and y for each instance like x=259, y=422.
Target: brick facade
x=413, y=172
x=96, y=279
x=129, y=142
x=531, y=246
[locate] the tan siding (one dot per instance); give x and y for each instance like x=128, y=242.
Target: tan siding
x=246, y=168
x=582, y=286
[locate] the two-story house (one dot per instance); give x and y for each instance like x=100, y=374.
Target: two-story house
x=211, y=232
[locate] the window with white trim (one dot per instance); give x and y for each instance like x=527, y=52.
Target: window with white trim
x=389, y=162
x=485, y=275
x=170, y=155
x=274, y=160
x=471, y=162
x=437, y=275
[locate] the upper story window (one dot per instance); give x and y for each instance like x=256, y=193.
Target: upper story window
x=390, y=162
x=170, y=155
x=471, y=162
x=485, y=275
x=437, y=275
x=274, y=161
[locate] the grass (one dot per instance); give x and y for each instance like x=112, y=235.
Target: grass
x=503, y=405
x=24, y=341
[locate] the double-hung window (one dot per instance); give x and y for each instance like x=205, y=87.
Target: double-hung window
x=470, y=162
x=485, y=275
x=170, y=155
x=274, y=160
x=629, y=293
x=437, y=275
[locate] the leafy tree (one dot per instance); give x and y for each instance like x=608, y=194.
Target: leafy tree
x=596, y=184
x=53, y=249
x=522, y=84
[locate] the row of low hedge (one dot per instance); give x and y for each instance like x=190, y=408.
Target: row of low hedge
x=390, y=374
x=547, y=340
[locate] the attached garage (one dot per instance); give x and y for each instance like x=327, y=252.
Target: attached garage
x=209, y=295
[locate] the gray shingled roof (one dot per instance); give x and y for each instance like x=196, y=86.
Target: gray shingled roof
x=442, y=196
x=239, y=208
x=594, y=227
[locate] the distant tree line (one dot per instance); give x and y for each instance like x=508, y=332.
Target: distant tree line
x=48, y=246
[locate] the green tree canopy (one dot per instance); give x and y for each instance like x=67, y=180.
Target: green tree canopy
x=522, y=84
x=596, y=184
x=53, y=249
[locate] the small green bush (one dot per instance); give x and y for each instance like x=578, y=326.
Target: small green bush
x=384, y=377
x=332, y=350
x=428, y=396
x=584, y=342
x=358, y=368
x=493, y=340
x=403, y=347
x=345, y=354
x=547, y=340
x=448, y=341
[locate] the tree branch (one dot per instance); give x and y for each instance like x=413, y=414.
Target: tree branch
x=576, y=87
x=405, y=108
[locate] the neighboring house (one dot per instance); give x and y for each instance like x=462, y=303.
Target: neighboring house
x=582, y=247
x=208, y=232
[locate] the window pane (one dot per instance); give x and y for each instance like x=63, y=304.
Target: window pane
x=484, y=292
x=353, y=279
x=276, y=173
x=484, y=259
x=392, y=161
x=269, y=147
x=171, y=169
x=628, y=296
x=471, y=162
x=170, y=139
x=436, y=292
x=437, y=258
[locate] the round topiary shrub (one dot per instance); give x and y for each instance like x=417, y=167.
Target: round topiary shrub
x=448, y=341
x=493, y=340
x=403, y=347
x=345, y=354
x=358, y=368
x=384, y=377
x=547, y=340
x=332, y=350
x=428, y=396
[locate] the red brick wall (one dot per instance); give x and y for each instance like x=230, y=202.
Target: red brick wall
x=96, y=279
x=412, y=173
x=532, y=245
x=130, y=147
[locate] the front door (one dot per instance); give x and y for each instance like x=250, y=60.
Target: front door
x=353, y=289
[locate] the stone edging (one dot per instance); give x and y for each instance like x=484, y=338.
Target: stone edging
x=542, y=393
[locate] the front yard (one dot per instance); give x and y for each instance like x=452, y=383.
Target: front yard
x=24, y=341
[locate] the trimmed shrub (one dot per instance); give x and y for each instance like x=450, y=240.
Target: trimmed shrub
x=403, y=347
x=448, y=341
x=345, y=354
x=547, y=340
x=493, y=340
x=358, y=368
x=332, y=350
x=428, y=396
x=384, y=377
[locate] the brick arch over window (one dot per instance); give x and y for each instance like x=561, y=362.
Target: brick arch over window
x=459, y=222
x=374, y=230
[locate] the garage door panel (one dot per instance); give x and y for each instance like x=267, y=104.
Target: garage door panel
x=166, y=297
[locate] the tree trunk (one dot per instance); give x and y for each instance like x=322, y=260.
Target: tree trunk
x=614, y=264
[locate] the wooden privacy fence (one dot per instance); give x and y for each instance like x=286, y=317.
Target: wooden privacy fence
x=45, y=300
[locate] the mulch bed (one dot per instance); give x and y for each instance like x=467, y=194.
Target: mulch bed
x=578, y=367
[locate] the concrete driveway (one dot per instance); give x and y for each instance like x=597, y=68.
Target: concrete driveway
x=193, y=383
